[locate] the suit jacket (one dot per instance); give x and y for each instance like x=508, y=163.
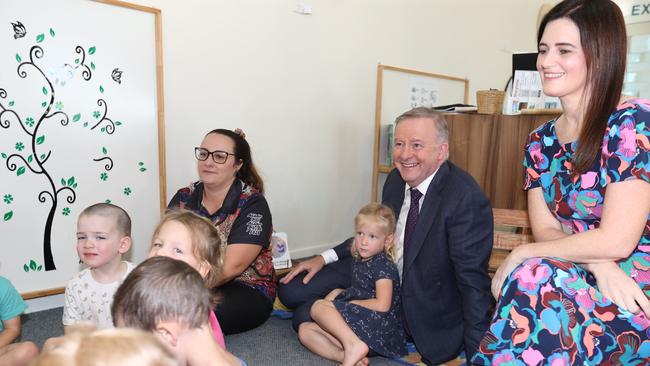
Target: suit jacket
x=445, y=286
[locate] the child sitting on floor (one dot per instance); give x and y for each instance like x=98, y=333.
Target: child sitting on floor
x=11, y=306
x=169, y=298
x=366, y=316
x=103, y=236
x=186, y=236
x=82, y=345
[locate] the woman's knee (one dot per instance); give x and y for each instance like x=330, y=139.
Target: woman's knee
x=534, y=272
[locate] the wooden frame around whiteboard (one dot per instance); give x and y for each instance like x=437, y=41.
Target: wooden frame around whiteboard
x=160, y=114
x=378, y=168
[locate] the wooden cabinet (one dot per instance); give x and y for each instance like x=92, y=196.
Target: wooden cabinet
x=490, y=148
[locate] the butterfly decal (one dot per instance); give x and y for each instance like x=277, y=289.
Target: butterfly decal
x=117, y=75
x=19, y=30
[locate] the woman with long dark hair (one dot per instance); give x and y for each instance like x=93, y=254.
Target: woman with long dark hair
x=230, y=194
x=579, y=294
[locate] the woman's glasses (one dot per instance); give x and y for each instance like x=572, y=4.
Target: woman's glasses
x=219, y=157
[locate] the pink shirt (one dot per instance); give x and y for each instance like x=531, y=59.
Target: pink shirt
x=216, y=329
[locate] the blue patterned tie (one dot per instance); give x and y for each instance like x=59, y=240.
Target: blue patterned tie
x=412, y=217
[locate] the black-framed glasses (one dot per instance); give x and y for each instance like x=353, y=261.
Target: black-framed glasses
x=218, y=156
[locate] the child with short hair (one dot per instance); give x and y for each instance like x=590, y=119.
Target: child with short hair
x=366, y=316
x=103, y=236
x=186, y=236
x=11, y=307
x=83, y=345
x=169, y=298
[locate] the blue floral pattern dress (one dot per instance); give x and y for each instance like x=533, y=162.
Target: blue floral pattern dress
x=551, y=311
x=381, y=331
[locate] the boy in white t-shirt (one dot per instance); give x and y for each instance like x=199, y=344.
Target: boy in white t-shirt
x=103, y=236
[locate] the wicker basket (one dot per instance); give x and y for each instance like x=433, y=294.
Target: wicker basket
x=489, y=101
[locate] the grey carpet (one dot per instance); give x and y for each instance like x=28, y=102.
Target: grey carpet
x=272, y=344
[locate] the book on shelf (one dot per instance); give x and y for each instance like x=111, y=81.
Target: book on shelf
x=526, y=93
x=386, y=144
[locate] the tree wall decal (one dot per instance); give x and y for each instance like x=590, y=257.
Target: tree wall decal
x=34, y=161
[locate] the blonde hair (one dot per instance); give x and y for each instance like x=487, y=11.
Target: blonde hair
x=206, y=242
x=84, y=346
x=383, y=216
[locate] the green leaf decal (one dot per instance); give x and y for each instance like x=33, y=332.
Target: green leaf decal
x=76, y=117
x=32, y=265
x=4, y=156
x=30, y=158
x=11, y=104
x=140, y=163
x=44, y=91
x=71, y=181
x=40, y=139
x=43, y=104
x=25, y=268
x=118, y=123
x=85, y=124
x=18, y=58
x=104, y=150
x=42, y=156
x=92, y=65
x=103, y=129
x=8, y=215
x=76, y=60
x=74, y=186
x=39, y=267
x=52, y=32
x=143, y=169
x=40, y=38
x=63, y=181
x=20, y=171
x=92, y=50
x=101, y=89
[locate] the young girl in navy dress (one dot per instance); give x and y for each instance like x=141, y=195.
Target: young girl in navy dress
x=350, y=323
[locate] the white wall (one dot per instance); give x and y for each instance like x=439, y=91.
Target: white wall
x=303, y=87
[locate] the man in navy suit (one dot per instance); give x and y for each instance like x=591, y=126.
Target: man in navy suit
x=444, y=238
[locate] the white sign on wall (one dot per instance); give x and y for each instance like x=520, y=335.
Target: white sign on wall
x=634, y=11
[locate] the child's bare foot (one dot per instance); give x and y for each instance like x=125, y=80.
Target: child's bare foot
x=354, y=353
x=363, y=362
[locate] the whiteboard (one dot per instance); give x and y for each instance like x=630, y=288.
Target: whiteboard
x=80, y=118
x=403, y=89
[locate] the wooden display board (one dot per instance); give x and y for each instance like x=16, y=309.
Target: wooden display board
x=81, y=117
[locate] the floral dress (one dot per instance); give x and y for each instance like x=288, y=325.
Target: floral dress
x=381, y=331
x=550, y=311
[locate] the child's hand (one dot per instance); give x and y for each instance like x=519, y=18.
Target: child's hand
x=333, y=294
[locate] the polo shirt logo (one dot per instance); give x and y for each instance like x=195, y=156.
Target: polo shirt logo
x=254, y=225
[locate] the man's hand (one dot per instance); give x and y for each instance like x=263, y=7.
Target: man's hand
x=311, y=266
x=616, y=285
